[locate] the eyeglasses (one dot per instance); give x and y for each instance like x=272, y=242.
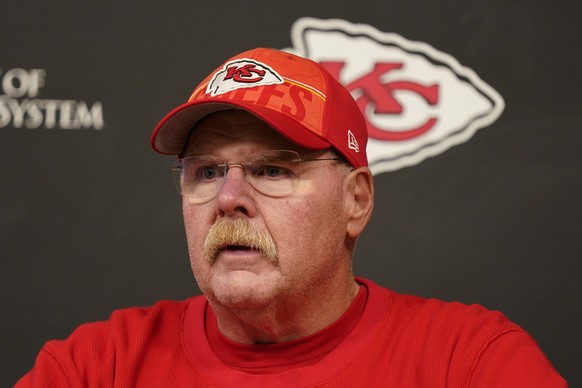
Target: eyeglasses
x=275, y=174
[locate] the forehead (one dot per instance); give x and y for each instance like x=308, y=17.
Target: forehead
x=226, y=130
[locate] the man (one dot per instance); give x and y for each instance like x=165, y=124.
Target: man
x=273, y=172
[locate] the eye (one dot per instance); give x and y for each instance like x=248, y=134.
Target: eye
x=208, y=172
x=272, y=171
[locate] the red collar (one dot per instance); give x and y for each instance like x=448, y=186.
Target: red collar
x=278, y=357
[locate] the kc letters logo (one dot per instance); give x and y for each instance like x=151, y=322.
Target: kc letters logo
x=418, y=101
x=240, y=74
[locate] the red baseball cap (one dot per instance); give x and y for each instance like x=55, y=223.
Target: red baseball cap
x=294, y=95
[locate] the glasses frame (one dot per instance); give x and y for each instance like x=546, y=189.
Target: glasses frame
x=179, y=163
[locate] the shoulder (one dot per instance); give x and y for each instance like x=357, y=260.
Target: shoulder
x=125, y=321
x=127, y=326
x=410, y=309
x=162, y=312
x=94, y=350
x=471, y=342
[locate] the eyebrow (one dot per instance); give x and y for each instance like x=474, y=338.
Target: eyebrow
x=266, y=155
x=204, y=157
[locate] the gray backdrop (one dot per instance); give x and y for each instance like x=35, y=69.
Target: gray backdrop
x=90, y=222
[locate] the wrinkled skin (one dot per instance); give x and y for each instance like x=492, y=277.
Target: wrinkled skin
x=315, y=228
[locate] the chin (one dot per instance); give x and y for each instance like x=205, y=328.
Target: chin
x=242, y=289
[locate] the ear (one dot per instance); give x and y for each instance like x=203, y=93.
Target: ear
x=359, y=200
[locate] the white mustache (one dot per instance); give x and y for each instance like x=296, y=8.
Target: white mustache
x=239, y=232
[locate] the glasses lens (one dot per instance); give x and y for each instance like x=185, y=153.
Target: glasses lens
x=274, y=174
x=199, y=176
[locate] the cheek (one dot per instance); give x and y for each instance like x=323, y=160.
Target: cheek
x=315, y=200
x=190, y=225
x=308, y=224
x=196, y=224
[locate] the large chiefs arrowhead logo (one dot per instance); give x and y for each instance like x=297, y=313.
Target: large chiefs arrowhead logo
x=418, y=101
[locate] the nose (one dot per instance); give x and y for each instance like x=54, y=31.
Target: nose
x=236, y=195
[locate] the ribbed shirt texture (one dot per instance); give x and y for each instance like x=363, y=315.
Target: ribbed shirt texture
x=384, y=339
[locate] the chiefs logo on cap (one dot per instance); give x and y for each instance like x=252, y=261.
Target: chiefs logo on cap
x=242, y=73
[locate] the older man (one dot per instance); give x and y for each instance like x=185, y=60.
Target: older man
x=273, y=172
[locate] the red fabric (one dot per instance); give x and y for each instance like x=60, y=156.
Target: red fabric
x=273, y=358
x=398, y=341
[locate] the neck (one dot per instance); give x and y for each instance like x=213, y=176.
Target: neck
x=287, y=318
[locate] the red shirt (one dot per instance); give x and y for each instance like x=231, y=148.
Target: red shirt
x=384, y=340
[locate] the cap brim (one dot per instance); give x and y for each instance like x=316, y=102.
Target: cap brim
x=171, y=133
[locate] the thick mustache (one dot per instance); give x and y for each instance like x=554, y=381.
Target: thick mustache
x=238, y=232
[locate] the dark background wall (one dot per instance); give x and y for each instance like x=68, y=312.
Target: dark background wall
x=89, y=221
